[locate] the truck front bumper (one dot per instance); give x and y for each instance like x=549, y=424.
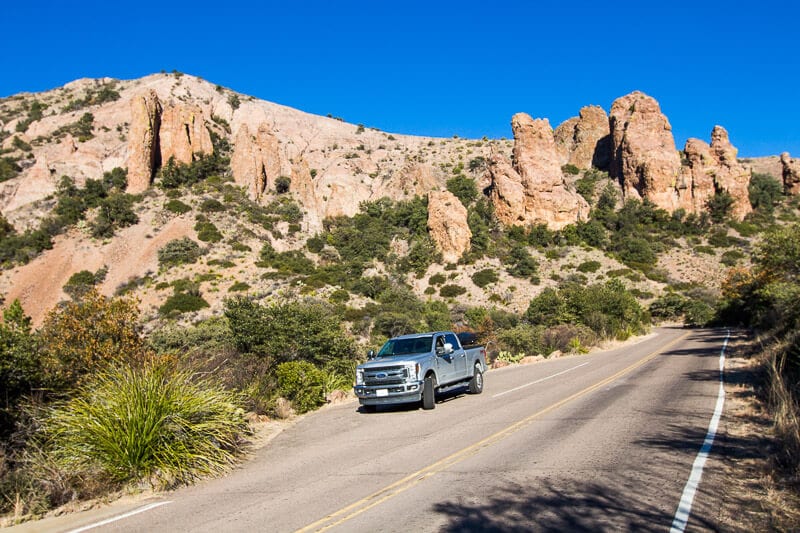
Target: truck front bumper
x=389, y=394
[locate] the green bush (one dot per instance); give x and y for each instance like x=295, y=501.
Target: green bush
x=178, y=252
x=177, y=207
x=282, y=184
x=8, y=168
x=437, y=279
x=451, y=291
x=463, y=188
x=239, y=286
x=589, y=266
x=211, y=205
x=79, y=284
x=182, y=302
x=719, y=206
x=21, y=365
x=147, y=424
x=731, y=257
x=571, y=169
x=302, y=383
x=207, y=232
x=485, y=277
x=765, y=192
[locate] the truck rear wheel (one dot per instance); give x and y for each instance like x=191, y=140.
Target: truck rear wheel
x=428, y=393
x=476, y=383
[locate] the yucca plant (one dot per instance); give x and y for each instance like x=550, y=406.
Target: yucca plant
x=148, y=423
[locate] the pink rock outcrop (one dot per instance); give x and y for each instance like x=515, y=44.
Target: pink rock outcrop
x=447, y=225
x=791, y=174
x=533, y=190
x=644, y=157
x=255, y=163
x=183, y=134
x=585, y=140
x=711, y=168
x=143, y=141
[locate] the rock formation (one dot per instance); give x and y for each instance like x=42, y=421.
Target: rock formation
x=143, y=141
x=533, y=190
x=183, y=134
x=791, y=174
x=414, y=179
x=447, y=225
x=255, y=163
x=644, y=158
x=585, y=141
x=711, y=168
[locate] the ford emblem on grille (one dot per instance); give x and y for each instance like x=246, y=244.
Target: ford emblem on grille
x=380, y=375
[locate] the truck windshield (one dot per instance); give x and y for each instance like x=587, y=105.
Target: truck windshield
x=406, y=346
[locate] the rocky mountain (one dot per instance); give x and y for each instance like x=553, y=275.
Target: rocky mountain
x=326, y=166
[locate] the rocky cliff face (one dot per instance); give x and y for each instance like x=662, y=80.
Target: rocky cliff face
x=447, y=225
x=255, y=163
x=533, y=190
x=585, y=140
x=791, y=174
x=143, y=141
x=183, y=134
x=644, y=156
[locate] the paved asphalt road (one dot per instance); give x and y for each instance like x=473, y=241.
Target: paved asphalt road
x=598, y=442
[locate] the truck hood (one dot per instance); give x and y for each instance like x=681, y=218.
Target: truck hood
x=395, y=360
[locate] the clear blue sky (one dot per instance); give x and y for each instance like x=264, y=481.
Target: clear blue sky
x=440, y=68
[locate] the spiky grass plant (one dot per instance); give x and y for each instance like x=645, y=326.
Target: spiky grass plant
x=150, y=423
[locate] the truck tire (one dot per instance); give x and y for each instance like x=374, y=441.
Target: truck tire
x=428, y=393
x=476, y=383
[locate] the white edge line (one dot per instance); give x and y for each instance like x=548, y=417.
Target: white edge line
x=539, y=380
x=120, y=517
x=689, y=491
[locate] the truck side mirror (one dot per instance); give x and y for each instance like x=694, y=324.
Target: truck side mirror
x=371, y=354
x=447, y=349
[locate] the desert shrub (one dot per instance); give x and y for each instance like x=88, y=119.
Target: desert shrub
x=21, y=369
x=83, y=337
x=451, y=291
x=239, y=286
x=177, y=207
x=339, y=296
x=592, y=233
x=568, y=338
x=302, y=383
x=207, y=232
x=315, y=244
x=82, y=129
x=211, y=205
x=523, y=339
x=765, y=192
x=485, y=277
x=291, y=331
x=668, y=306
x=437, y=279
x=571, y=169
x=115, y=211
x=174, y=174
x=178, y=252
x=282, y=184
x=182, y=302
x=509, y=357
x=8, y=168
x=522, y=264
x=147, y=424
x=82, y=282
x=541, y=236
x=731, y=257
x=589, y=266
x=719, y=206
x=463, y=188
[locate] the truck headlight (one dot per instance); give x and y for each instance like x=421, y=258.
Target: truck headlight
x=359, y=376
x=413, y=371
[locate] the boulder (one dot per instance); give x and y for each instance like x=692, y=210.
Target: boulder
x=447, y=225
x=696, y=184
x=644, y=158
x=255, y=162
x=142, y=141
x=585, y=140
x=183, y=134
x=533, y=190
x=791, y=174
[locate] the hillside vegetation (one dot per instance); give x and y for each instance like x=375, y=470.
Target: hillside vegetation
x=198, y=302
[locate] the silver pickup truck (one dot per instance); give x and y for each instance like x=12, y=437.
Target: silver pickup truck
x=413, y=368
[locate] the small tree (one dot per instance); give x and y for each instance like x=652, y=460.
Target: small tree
x=282, y=184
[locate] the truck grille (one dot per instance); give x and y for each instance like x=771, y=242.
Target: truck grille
x=389, y=375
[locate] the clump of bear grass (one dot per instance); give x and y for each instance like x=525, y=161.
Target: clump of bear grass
x=148, y=424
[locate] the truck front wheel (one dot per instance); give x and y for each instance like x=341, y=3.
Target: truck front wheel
x=476, y=383
x=428, y=393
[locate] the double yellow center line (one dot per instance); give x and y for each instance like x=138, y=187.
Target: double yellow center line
x=398, y=487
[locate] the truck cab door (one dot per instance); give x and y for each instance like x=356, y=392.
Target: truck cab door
x=459, y=357
x=445, y=362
